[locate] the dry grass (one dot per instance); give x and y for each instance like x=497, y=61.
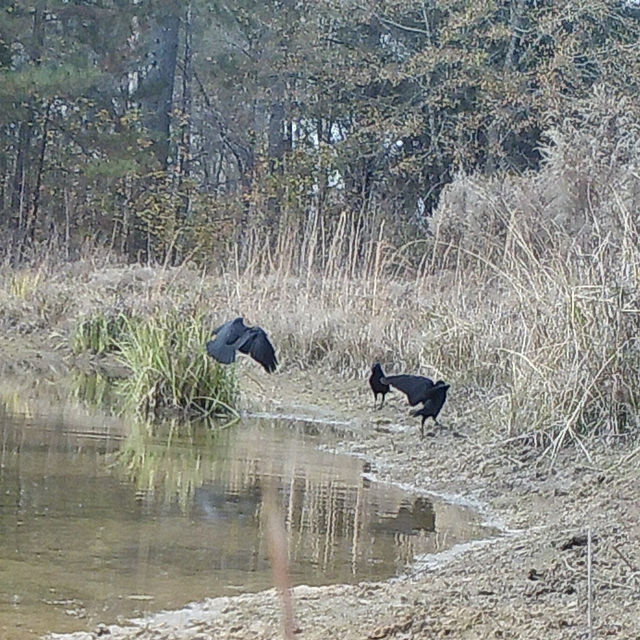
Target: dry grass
x=524, y=296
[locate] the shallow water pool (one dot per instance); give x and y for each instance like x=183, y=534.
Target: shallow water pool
x=102, y=519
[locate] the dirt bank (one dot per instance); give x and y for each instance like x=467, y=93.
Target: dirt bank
x=531, y=583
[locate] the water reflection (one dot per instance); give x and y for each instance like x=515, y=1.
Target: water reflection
x=412, y=517
x=100, y=518
x=95, y=389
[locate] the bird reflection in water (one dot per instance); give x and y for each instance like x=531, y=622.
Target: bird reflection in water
x=412, y=518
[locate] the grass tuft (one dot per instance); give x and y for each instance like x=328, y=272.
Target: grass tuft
x=170, y=368
x=100, y=333
x=24, y=282
x=166, y=358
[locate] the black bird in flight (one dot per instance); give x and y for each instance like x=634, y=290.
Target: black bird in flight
x=377, y=386
x=416, y=388
x=437, y=396
x=236, y=336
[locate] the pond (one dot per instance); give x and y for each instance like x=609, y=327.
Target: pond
x=103, y=519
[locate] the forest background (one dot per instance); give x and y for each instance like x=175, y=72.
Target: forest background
x=450, y=186
x=162, y=130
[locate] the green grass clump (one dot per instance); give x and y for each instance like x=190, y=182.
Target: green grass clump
x=22, y=283
x=166, y=356
x=100, y=333
x=170, y=368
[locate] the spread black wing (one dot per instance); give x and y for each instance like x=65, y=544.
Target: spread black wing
x=236, y=336
x=223, y=346
x=414, y=387
x=257, y=345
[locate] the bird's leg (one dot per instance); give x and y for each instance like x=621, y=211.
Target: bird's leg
x=422, y=429
x=382, y=403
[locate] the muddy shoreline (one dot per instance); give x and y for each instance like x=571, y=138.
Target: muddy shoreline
x=531, y=582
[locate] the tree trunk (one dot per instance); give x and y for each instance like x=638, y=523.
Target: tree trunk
x=276, y=143
x=158, y=83
x=495, y=130
x=19, y=182
x=184, y=172
x=32, y=221
x=156, y=97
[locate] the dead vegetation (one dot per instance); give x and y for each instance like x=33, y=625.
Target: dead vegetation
x=524, y=296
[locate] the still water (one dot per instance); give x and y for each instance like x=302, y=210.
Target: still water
x=101, y=520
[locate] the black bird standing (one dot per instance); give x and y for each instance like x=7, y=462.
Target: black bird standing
x=416, y=388
x=236, y=336
x=377, y=386
x=437, y=396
